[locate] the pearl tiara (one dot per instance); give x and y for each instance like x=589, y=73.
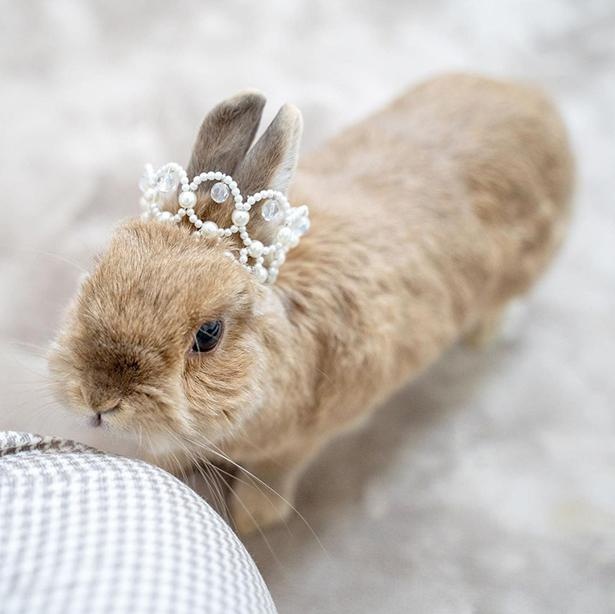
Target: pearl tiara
x=263, y=261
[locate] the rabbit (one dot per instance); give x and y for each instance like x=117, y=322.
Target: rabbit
x=427, y=219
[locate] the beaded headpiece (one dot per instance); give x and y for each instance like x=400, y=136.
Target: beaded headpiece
x=263, y=261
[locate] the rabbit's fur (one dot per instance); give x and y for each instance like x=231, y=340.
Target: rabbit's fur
x=427, y=219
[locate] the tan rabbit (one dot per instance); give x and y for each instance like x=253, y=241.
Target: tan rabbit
x=427, y=219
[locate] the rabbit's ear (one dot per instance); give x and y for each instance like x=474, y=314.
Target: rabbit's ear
x=272, y=160
x=226, y=134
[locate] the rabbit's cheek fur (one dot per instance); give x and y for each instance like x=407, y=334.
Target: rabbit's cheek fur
x=128, y=333
x=222, y=388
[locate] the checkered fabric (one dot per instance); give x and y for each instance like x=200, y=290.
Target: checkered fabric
x=87, y=532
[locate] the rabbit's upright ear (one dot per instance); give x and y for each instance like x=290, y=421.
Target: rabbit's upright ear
x=226, y=134
x=271, y=162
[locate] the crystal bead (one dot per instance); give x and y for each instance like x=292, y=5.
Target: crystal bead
x=219, y=192
x=167, y=180
x=147, y=179
x=272, y=275
x=301, y=225
x=270, y=210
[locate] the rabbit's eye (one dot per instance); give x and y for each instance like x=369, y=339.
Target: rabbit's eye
x=207, y=337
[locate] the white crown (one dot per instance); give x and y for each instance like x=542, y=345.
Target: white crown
x=263, y=261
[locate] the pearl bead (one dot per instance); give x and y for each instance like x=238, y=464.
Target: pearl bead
x=187, y=199
x=256, y=249
x=260, y=272
x=240, y=218
x=286, y=236
x=209, y=229
x=193, y=219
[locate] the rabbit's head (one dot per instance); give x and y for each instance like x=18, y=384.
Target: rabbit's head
x=169, y=335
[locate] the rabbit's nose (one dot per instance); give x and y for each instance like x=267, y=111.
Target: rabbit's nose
x=106, y=409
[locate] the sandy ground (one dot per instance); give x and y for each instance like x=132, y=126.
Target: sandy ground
x=489, y=485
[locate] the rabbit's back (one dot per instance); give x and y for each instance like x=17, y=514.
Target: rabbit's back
x=428, y=217
x=474, y=171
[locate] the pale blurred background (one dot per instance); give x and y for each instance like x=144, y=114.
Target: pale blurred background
x=486, y=487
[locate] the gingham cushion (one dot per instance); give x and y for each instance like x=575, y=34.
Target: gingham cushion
x=86, y=532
